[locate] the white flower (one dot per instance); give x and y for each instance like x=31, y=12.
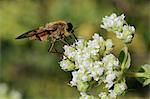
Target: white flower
x=123, y=86
x=85, y=96
x=119, y=88
x=96, y=70
x=79, y=76
x=127, y=33
x=98, y=65
x=109, y=79
x=119, y=20
x=96, y=42
x=80, y=44
x=119, y=35
x=95, y=36
x=129, y=38
x=93, y=44
x=128, y=29
x=118, y=25
x=109, y=85
x=69, y=51
x=92, y=61
x=112, y=23
x=109, y=43
x=83, y=93
x=110, y=62
x=112, y=94
x=75, y=78
x=109, y=46
x=67, y=65
x=102, y=94
x=85, y=78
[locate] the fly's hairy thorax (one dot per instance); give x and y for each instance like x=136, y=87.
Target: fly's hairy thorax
x=60, y=30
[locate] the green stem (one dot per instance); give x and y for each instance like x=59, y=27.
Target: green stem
x=133, y=74
x=125, y=57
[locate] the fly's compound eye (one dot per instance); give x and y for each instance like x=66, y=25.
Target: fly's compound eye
x=70, y=27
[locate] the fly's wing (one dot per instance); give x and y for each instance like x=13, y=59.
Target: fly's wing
x=40, y=33
x=28, y=34
x=37, y=34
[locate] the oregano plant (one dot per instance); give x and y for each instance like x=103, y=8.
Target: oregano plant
x=92, y=63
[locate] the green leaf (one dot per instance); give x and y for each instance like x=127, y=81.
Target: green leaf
x=125, y=59
x=146, y=68
x=121, y=56
x=146, y=82
x=145, y=75
x=128, y=62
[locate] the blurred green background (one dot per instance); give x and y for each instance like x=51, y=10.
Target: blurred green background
x=27, y=67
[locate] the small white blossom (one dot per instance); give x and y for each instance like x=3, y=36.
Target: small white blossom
x=69, y=51
x=127, y=33
x=67, y=65
x=110, y=61
x=84, y=78
x=110, y=77
x=83, y=93
x=119, y=88
x=112, y=94
x=113, y=22
x=93, y=44
x=102, y=94
x=119, y=35
x=123, y=86
x=109, y=43
x=75, y=78
x=109, y=46
x=80, y=44
x=85, y=96
x=95, y=36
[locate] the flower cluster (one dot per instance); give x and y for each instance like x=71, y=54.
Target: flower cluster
x=119, y=26
x=92, y=61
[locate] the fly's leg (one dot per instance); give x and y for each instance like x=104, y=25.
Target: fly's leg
x=51, y=46
x=57, y=52
x=64, y=42
x=75, y=37
x=72, y=31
